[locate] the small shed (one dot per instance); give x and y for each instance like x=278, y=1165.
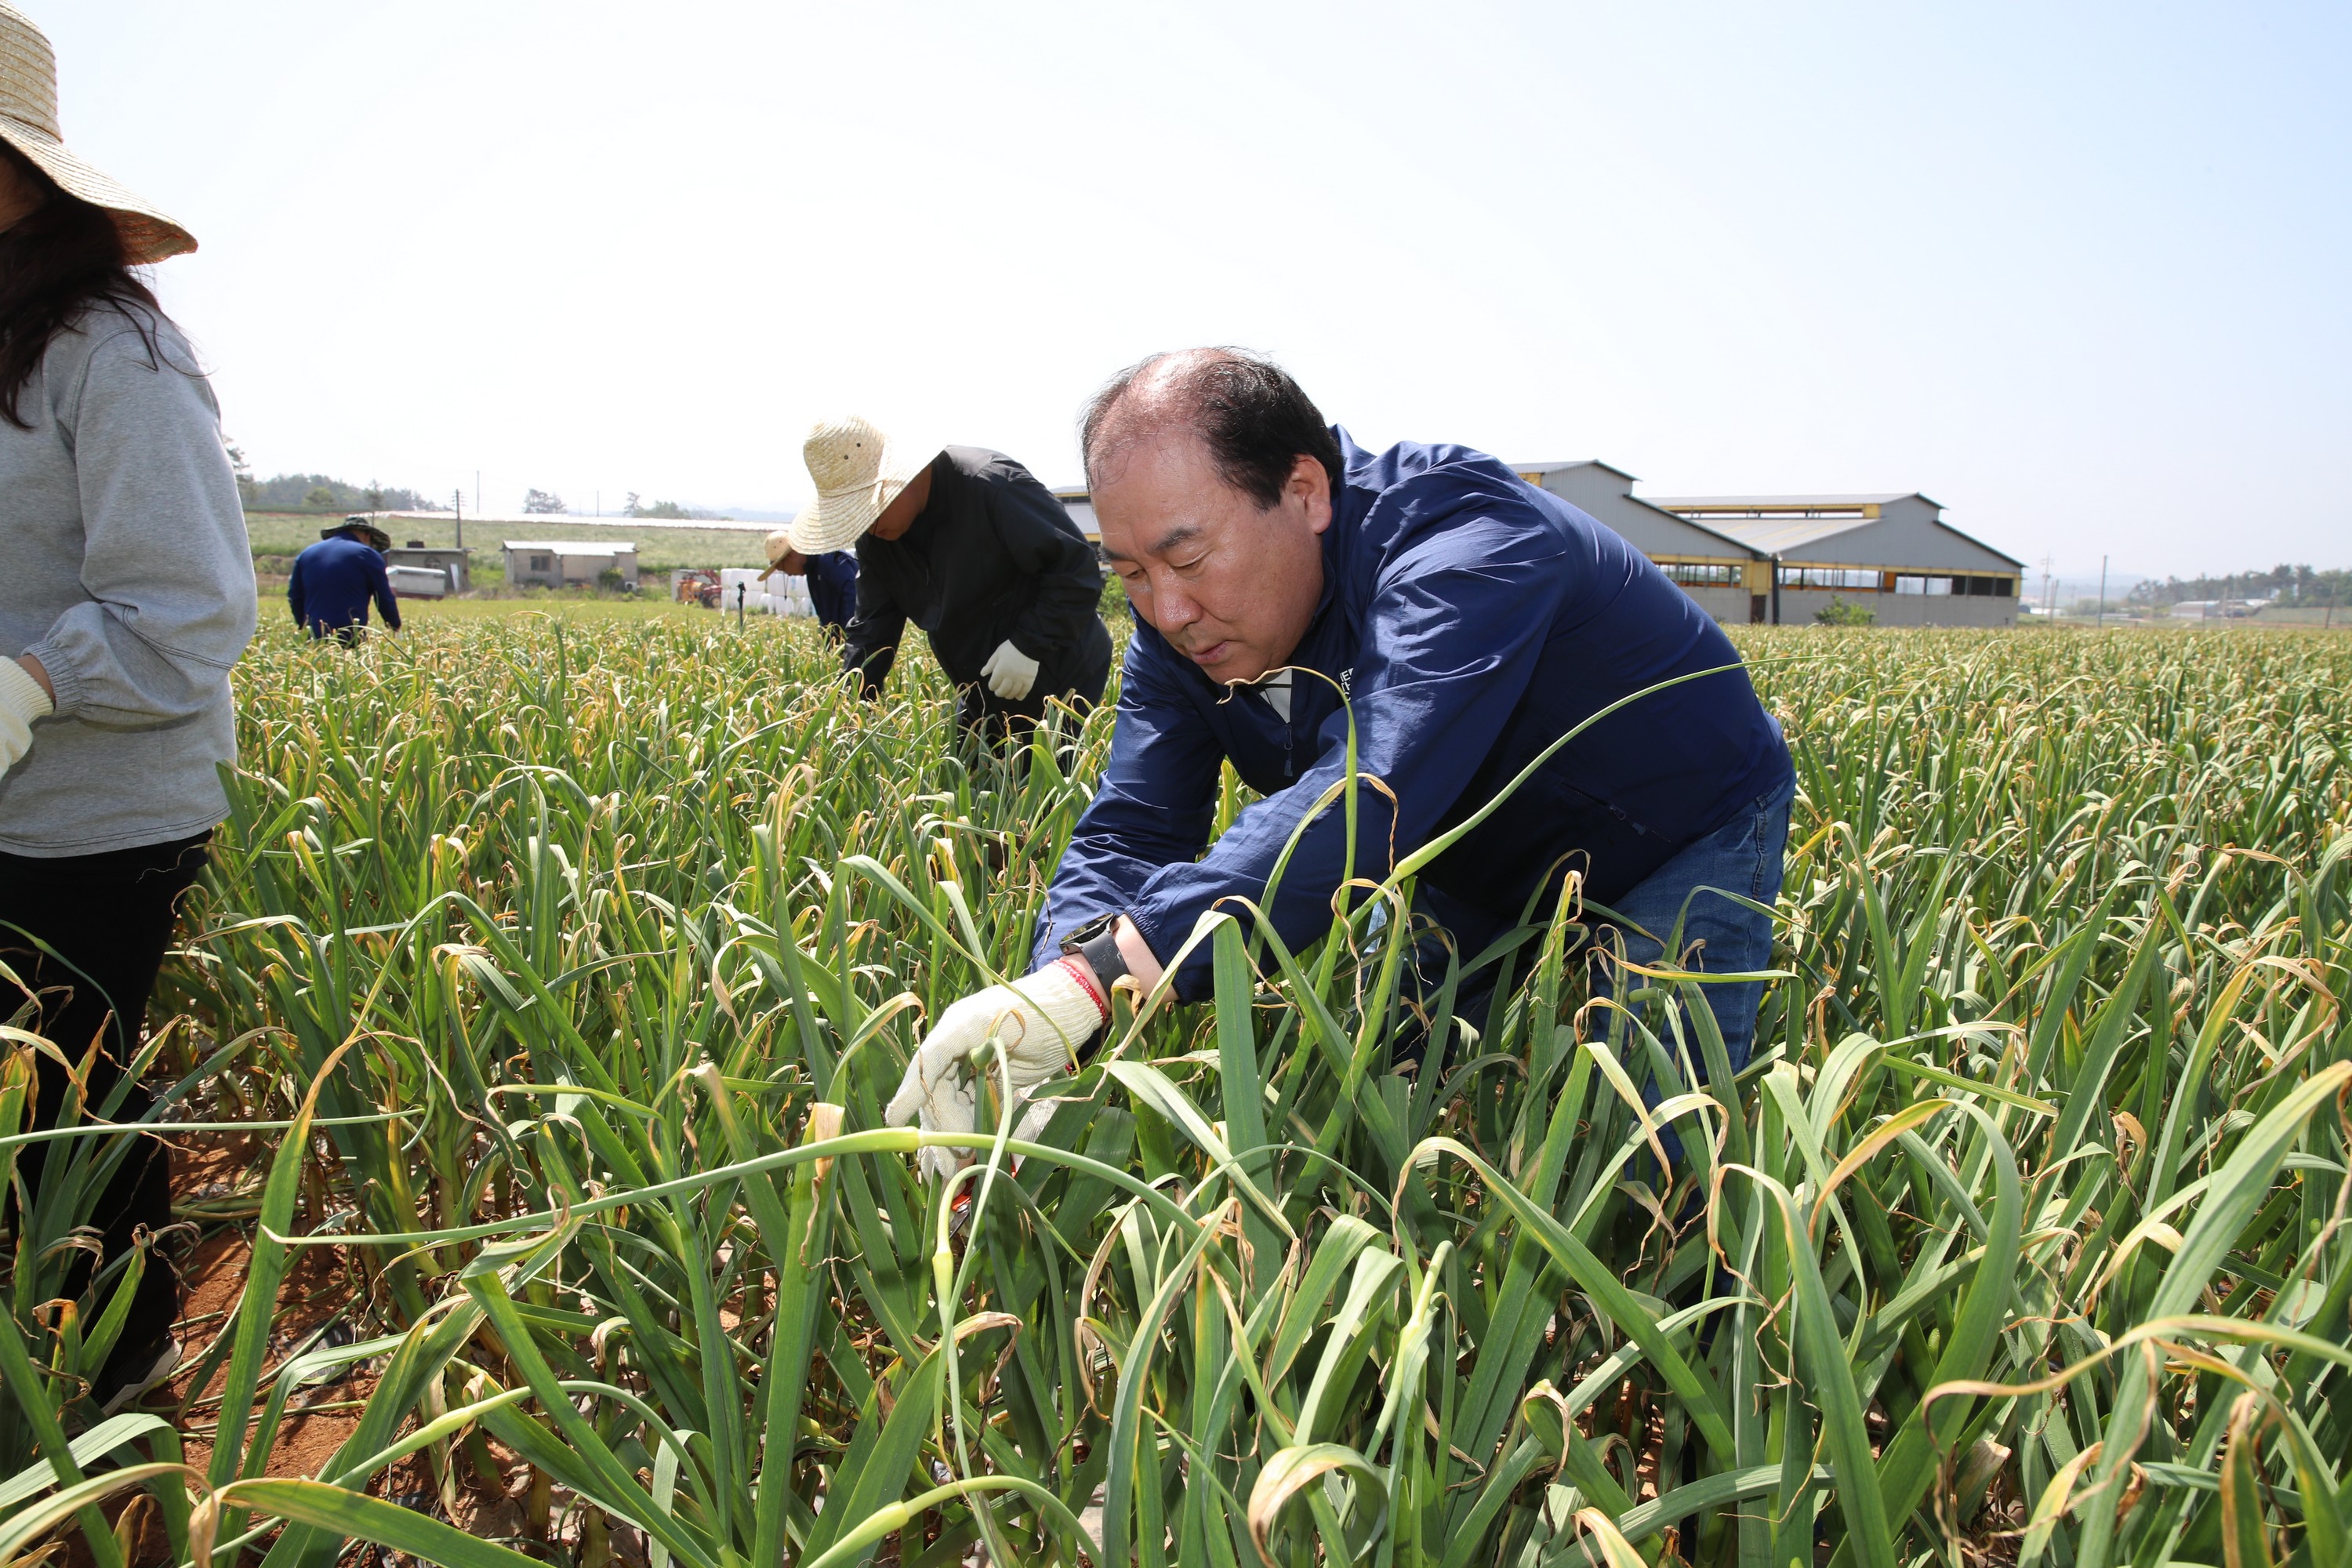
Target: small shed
x=567, y=563
x=1891, y=554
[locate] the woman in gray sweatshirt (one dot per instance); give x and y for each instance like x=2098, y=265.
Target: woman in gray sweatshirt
x=126, y=593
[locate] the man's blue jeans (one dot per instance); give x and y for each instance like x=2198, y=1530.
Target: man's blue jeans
x=1719, y=935
x=1742, y=857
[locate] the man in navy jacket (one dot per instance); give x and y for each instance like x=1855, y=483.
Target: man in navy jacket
x=1471, y=620
x=832, y=579
x=832, y=588
x=334, y=579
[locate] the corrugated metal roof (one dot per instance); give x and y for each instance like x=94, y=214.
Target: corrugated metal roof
x=1576, y=463
x=1780, y=535
x=1734, y=503
x=1710, y=527
x=569, y=546
x=1535, y=473
x=1774, y=535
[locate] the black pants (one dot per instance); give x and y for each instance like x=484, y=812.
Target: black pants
x=109, y=917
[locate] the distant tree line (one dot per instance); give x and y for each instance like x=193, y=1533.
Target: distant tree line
x=320, y=492
x=670, y=510
x=2296, y=588
x=547, y=501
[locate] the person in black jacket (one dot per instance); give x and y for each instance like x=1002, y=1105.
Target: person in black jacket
x=967, y=545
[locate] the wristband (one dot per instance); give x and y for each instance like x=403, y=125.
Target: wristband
x=1086, y=983
x=1096, y=942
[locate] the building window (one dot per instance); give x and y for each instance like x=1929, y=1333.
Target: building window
x=1841, y=578
x=1701, y=573
x=1974, y=587
x=539, y=562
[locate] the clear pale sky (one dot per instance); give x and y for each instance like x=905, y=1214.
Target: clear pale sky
x=2078, y=273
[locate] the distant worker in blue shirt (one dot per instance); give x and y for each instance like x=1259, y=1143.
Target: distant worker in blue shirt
x=335, y=578
x=1471, y=621
x=832, y=579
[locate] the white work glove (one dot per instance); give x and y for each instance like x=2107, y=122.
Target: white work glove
x=1043, y=1019
x=1010, y=673
x=22, y=701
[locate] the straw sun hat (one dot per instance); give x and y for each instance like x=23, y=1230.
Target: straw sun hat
x=859, y=472
x=780, y=544
x=28, y=123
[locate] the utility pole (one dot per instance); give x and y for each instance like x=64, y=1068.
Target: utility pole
x=2103, y=592
x=1776, y=590
x=2047, y=561
x=458, y=500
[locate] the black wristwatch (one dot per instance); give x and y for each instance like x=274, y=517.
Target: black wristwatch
x=1096, y=942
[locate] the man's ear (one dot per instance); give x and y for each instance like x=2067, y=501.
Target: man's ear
x=1309, y=489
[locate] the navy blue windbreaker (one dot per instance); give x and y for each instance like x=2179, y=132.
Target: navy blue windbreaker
x=833, y=587
x=1473, y=619
x=333, y=581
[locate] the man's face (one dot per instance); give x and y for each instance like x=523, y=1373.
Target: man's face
x=1230, y=586
x=793, y=564
x=904, y=508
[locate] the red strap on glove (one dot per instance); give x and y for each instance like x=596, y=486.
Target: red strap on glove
x=1086, y=979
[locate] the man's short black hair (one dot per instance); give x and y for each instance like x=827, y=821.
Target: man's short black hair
x=1255, y=420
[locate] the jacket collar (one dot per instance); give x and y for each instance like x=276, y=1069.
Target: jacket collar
x=1348, y=506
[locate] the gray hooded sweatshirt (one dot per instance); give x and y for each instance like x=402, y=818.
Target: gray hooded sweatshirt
x=124, y=569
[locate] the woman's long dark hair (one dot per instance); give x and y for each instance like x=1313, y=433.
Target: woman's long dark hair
x=55, y=262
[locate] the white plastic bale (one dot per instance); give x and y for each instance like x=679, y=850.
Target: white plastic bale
x=745, y=579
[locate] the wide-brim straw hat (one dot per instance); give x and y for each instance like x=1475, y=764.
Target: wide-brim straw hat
x=779, y=544
x=858, y=471
x=28, y=123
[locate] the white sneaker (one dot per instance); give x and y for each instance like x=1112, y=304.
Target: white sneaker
x=155, y=1373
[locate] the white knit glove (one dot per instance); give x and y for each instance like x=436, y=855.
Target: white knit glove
x=1010, y=673
x=1042, y=1018
x=22, y=701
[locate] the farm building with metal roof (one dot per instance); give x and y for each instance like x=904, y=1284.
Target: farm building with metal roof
x=1891, y=554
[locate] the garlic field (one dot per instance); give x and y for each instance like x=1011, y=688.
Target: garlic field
x=550, y=979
